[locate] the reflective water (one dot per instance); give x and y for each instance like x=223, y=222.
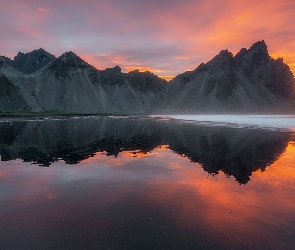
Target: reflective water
x=145, y=183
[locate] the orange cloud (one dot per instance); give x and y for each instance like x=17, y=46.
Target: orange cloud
x=281, y=172
x=234, y=212
x=166, y=39
x=43, y=10
x=142, y=69
x=169, y=186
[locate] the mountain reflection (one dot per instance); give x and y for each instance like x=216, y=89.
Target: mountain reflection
x=235, y=151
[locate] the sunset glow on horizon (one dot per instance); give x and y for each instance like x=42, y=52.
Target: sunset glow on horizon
x=164, y=37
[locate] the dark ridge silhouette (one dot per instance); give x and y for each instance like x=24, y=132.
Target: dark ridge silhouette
x=30, y=62
x=251, y=81
x=68, y=84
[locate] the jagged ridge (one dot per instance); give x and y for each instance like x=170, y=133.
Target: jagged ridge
x=30, y=62
x=249, y=81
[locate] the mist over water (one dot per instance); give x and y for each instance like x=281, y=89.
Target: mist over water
x=286, y=122
x=165, y=182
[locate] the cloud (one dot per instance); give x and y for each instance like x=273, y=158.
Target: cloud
x=170, y=38
x=43, y=10
x=182, y=196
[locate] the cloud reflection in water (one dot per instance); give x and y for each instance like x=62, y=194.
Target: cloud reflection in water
x=162, y=198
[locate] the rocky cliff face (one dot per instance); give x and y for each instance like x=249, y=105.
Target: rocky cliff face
x=10, y=96
x=70, y=85
x=260, y=68
x=249, y=81
x=30, y=62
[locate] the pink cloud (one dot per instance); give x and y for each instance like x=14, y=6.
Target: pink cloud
x=170, y=38
x=43, y=10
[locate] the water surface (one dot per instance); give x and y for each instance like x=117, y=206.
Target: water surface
x=145, y=183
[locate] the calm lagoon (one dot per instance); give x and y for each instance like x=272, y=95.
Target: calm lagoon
x=158, y=182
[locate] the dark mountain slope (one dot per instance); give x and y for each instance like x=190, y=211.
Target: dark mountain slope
x=70, y=85
x=10, y=96
x=260, y=68
x=251, y=81
x=30, y=62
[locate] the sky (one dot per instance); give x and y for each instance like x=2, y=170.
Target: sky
x=166, y=37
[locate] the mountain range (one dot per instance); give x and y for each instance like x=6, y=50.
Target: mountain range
x=251, y=81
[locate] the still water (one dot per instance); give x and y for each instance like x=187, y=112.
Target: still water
x=145, y=183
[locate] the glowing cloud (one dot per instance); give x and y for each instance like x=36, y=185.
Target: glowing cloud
x=167, y=37
x=43, y=10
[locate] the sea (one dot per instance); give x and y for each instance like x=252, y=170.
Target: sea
x=147, y=182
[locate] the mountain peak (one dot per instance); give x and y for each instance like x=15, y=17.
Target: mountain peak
x=251, y=59
x=115, y=70
x=222, y=60
x=225, y=52
x=32, y=61
x=223, y=55
x=70, y=55
x=260, y=45
x=260, y=49
x=34, y=53
x=67, y=61
x=71, y=60
x=41, y=50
